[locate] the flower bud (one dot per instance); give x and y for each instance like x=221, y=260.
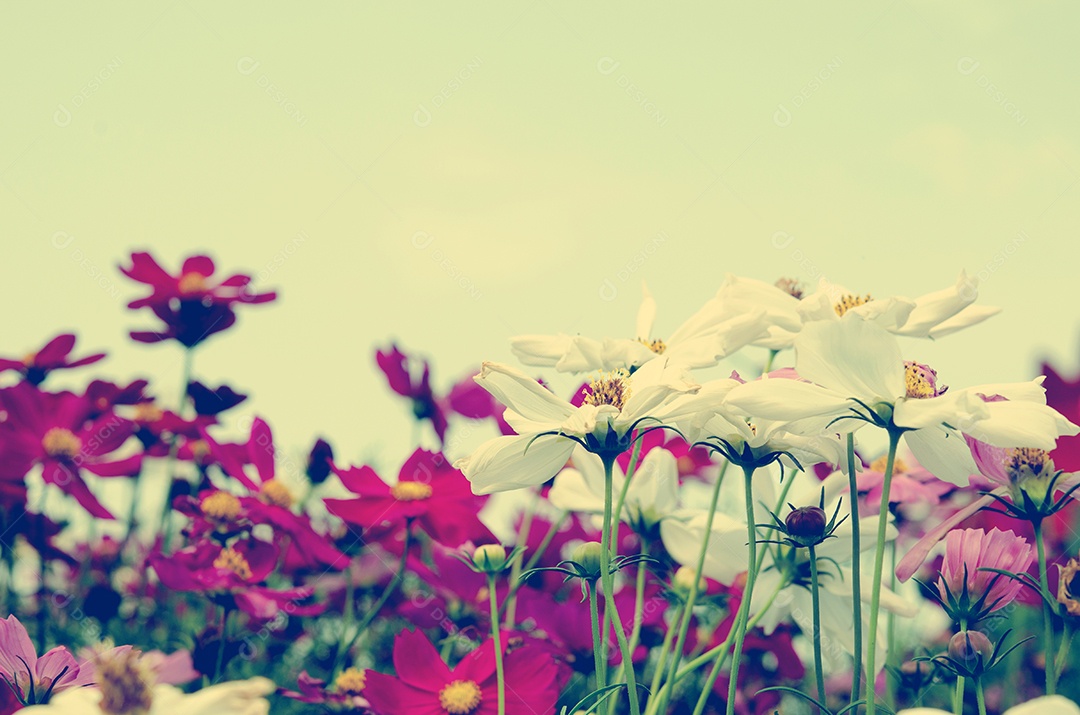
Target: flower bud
x=965, y=646
x=806, y=525
x=588, y=556
x=318, y=463
x=683, y=580
x=490, y=558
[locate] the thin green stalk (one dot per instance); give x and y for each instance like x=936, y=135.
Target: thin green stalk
x=958, y=696
x=748, y=593
x=390, y=588
x=639, y=597
x=1048, y=617
x=515, y=569
x=221, y=644
x=769, y=361
x=691, y=598
x=816, y=600
x=515, y=586
x=979, y=696
x=1063, y=650
x=879, y=567
x=618, y=510
x=856, y=570
x=495, y=635
x=661, y=661
x=350, y=597
x=609, y=587
x=599, y=647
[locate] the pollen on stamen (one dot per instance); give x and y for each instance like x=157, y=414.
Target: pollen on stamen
x=220, y=506
x=126, y=682
x=351, y=681
x=849, y=301
x=612, y=388
x=274, y=492
x=191, y=283
x=60, y=443
x=410, y=491
x=1025, y=463
x=460, y=697
x=921, y=381
x=658, y=346
x=232, y=560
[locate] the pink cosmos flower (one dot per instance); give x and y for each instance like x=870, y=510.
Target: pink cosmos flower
x=30, y=678
x=428, y=491
x=55, y=432
x=425, y=685
x=968, y=551
x=36, y=366
x=191, y=306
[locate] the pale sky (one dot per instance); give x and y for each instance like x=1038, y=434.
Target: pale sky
x=453, y=176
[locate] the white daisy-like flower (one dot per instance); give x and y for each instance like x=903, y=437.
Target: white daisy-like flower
x=1045, y=705
x=711, y=334
x=550, y=427
x=853, y=373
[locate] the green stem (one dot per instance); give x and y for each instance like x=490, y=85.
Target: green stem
x=979, y=696
x=390, y=588
x=618, y=510
x=815, y=598
x=599, y=647
x=1063, y=651
x=221, y=644
x=515, y=569
x=496, y=636
x=661, y=661
x=748, y=594
x=958, y=696
x=639, y=597
x=1048, y=617
x=608, y=580
x=769, y=361
x=350, y=597
x=165, y=523
x=515, y=586
x=879, y=567
x=691, y=598
x=856, y=570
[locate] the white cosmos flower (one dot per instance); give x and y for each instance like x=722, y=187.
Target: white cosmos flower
x=932, y=315
x=549, y=427
x=853, y=365
x=712, y=333
x=652, y=494
x=241, y=697
x=1045, y=705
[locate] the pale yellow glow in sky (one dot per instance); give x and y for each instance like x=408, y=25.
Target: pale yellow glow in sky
x=454, y=175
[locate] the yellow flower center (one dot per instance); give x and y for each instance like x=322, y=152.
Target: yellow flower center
x=1027, y=463
x=920, y=381
x=148, y=412
x=658, y=346
x=792, y=287
x=126, y=683
x=232, y=560
x=1067, y=587
x=60, y=443
x=28, y=360
x=460, y=697
x=612, y=388
x=410, y=491
x=274, y=492
x=849, y=301
x=220, y=506
x=879, y=464
x=191, y=283
x=351, y=681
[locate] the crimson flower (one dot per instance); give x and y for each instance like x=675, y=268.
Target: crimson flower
x=428, y=491
x=344, y=693
x=192, y=306
x=270, y=501
x=425, y=685
x=54, y=431
x=36, y=366
x=235, y=574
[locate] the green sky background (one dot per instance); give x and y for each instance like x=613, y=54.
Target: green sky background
x=453, y=175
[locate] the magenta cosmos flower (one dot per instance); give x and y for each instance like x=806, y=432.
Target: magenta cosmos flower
x=236, y=572
x=191, y=304
x=428, y=491
x=54, y=431
x=425, y=685
x=55, y=355
x=964, y=583
x=30, y=678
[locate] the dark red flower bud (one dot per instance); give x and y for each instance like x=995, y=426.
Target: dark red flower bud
x=806, y=525
x=965, y=646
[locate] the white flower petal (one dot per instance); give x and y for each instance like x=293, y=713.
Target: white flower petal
x=646, y=314
x=523, y=394
x=1021, y=424
x=540, y=350
x=935, y=308
x=502, y=464
x=727, y=553
x=969, y=316
x=853, y=357
x=1046, y=705
x=782, y=399
x=943, y=452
